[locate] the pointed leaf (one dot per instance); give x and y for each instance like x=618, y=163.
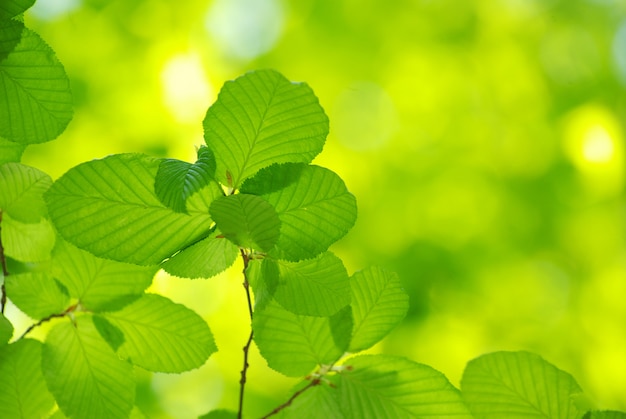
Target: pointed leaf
x=247, y=220
x=177, y=180
x=203, y=259
x=320, y=401
x=378, y=304
x=294, y=345
x=262, y=118
x=37, y=294
x=99, y=284
x=312, y=203
x=162, y=336
x=21, y=192
x=36, y=103
x=27, y=242
x=10, y=151
x=383, y=386
x=109, y=208
x=6, y=330
x=23, y=392
x=83, y=373
x=12, y=8
x=518, y=385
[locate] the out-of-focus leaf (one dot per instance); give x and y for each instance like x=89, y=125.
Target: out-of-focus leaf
x=21, y=192
x=605, y=414
x=6, y=330
x=37, y=294
x=27, y=242
x=12, y=8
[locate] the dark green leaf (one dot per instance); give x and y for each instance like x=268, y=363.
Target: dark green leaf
x=607, y=414
x=21, y=192
x=6, y=330
x=220, y=414
x=114, y=336
x=12, y=8
x=37, y=294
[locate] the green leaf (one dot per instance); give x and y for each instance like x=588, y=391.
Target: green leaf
x=27, y=242
x=162, y=336
x=83, y=373
x=6, y=330
x=313, y=287
x=21, y=192
x=320, y=401
x=177, y=180
x=12, y=8
x=37, y=294
x=99, y=284
x=314, y=207
x=203, y=259
x=378, y=304
x=606, y=414
x=518, y=385
x=220, y=414
x=36, y=103
x=262, y=118
x=23, y=392
x=247, y=220
x=10, y=151
x=383, y=386
x=294, y=345
x=108, y=207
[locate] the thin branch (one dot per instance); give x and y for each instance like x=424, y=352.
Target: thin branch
x=47, y=319
x=5, y=272
x=312, y=384
x=246, y=348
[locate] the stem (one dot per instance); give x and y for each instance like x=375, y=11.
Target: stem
x=312, y=384
x=47, y=319
x=5, y=272
x=246, y=348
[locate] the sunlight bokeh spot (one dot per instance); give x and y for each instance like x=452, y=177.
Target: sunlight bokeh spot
x=51, y=9
x=597, y=145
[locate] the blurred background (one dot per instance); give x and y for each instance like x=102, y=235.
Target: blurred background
x=483, y=139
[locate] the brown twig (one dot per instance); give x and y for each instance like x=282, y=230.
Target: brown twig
x=246, y=348
x=313, y=383
x=47, y=319
x=5, y=272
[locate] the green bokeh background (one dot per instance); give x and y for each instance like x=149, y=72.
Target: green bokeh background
x=483, y=139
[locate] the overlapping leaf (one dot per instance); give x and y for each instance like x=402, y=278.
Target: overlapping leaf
x=313, y=204
x=378, y=304
x=37, y=294
x=83, y=373
x=27, y=242
x=262, y=118
x=21, y=192
x=6, y=330
x=10, y=151
x=320, y=401
x=37, y=103
x=162, y=336
x=109, y=208
x=383, y=386
x=12, y=8
x=220, y=414
x=518, y=384
x=23, y=392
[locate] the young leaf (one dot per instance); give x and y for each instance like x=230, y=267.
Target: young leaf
x=247, y=220
x=203, y=259
x=162, y=336
x=520, y=385
x=38, y=103
x=10, y=151
x=12, y=8
x=262, y=118
x=383, y=386
x=294, y=345
x=37, y=294
x=21, y=192
x=177, y=180
x=99, y=284
x=378, y=304
x=313, y=205
x=6, y=330
x=109, y=208
x=27, y=242
x=83, y=373
x=23, y=392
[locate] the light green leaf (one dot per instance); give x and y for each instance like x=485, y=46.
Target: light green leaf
x=27, y=242
x=177, y=180
x=83, y=373
x=108, y=207
x=220, y=414
x=378, y=304
x=37, y=294
x=312, y=203
x=162, y=336
x=36, y=103
x=99, y=284
x=12, y=8
x=247, y=220
x=262, y=118
x=21, y=192
x=10, y=151
x=6, y=330
x=606, y=414
x=203, y=259
x=518, y=385
x=383, y=386
x=320, y=401
x=23, y=392
x=294, y=345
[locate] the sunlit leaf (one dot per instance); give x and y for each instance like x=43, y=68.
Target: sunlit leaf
x=383, y=386
x=21, y=192
x=262, y=118
x=109, y=208
x=162, y=336
x=378, y=304
x=12, y=8
x=10, y=151
x=320, y=401
x=294, y=345
x=37, y=294
x=83, y=373
x=203, y=259
x=313, y=204
x=518, y=385
x=23, y=392
x=6, y=330
x=36, y=103
x=247, y=220
x=27, y=242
